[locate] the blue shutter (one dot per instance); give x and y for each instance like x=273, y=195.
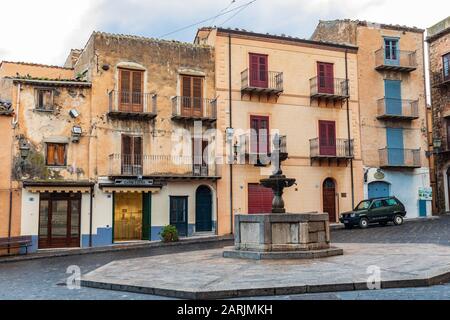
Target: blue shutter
x=393, y=96
x=395, y=146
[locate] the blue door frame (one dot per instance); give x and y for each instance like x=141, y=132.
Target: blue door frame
x=395, y=146
x=393, y=97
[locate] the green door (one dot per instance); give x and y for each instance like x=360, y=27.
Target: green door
x=146, y=216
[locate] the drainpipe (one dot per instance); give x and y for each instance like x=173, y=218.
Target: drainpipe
x=349, y=129
x=230, y=97
x=90, y=216
x=16, y=116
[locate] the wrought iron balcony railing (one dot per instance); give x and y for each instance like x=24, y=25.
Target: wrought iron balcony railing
x=439, y=79
x=398, y=60
x=341, y=149
x=270, y=82
x=398, y=109
x=123, y=104
x=329, y=88
x=123, y=165
x=194, y=108
x=401, y=158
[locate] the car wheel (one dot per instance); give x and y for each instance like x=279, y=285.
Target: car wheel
x=364, y=223
x=398, y=220
x=348, y=226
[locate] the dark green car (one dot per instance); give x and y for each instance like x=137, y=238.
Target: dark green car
x=379, y=210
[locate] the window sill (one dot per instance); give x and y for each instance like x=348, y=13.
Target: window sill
x=43, y=110
x=56, y=167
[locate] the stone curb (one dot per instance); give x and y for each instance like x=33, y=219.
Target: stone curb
x=227, y=240
x=275, y=291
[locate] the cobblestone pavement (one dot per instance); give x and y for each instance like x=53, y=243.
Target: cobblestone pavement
x=41, y=279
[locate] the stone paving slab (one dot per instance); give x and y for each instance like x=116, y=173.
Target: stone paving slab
x=207, y=275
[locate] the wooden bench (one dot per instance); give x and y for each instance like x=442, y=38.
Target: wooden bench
x=16, y=242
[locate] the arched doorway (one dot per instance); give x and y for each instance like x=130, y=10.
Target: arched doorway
x=203, y=209
x=379, y=189
x=329, y=199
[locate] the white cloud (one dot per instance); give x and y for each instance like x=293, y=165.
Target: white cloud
x=47, y=29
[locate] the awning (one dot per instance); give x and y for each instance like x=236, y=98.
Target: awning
x=130, y=190
x=58, y=187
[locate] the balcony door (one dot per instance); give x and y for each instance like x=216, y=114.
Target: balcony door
x=259, y=71
x=327, y=138
x=393, y=96
x=259, y=138
x=325, y=77
x=391, y=52
x=192, y=96
x=132, y=157
x=396, y=156
x=131, y=90
x=200, y=157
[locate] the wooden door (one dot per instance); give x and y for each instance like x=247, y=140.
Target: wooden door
x=259, y=199
x=325, y=77
x=327, y=138
x=259, y=137
x=192, y=99
x=259, y=71
x=59, y=220
x=179, y=214
x=203, y=209
x=131, y=90
x=329, y=199
x=132, y=155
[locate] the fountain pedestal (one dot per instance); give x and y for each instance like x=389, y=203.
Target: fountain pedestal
x=282, y=236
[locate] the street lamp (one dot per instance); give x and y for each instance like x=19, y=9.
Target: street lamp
x=437, y=143
x=24, y=149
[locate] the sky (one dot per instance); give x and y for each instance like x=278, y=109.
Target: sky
x=44, y=31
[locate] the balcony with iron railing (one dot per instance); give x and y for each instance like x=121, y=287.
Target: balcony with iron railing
x=400, y=158
x=267, y=83
x=440, y=79
x=328, y=88
x=341, y=149
x=132, y=105
x=160, y=166
x=399, y=60
x=191, y=108
x=257, y=149
x=397, y=109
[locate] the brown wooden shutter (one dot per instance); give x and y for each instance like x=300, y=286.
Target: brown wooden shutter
x=197, y=94
x=136, y=89
x=61, y=154
x=50, y=154
x=186, y=92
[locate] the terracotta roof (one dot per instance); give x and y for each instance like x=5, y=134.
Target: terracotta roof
x=5, y=107
x=51, y=82
x=147, y=39
x=381, y=25
x=281, y=37
x=34, y=65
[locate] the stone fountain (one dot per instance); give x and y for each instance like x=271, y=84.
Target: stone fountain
x=281, y=235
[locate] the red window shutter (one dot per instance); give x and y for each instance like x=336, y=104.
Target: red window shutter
x=254, y=69
x=325, y=75
x=263, y=71
x=259, y=139
x=327, y=138
x=258, y=70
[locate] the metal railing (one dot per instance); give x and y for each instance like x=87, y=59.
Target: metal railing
x=400, y=58
x=396, y=157
x=270, y=80
x=439, y=78
x=159, y=165
x=132, y=102
x=343, y=148
x=398, y=108
x=194, y=107
x=329, y=86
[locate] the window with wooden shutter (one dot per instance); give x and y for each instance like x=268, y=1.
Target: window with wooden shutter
x=56, y=154
x=259, y=140
x=132, y=155
x=325, y=77
x=327, y=138
x=259, y=73
x=192, y=99
x=44, y=100
x=131, y=90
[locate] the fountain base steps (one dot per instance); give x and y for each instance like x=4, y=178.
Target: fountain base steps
x=282, y=236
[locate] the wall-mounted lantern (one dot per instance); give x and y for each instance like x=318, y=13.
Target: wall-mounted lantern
x=24, y=149
x=437, y=143
x=76, y=134
x=74, y=113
